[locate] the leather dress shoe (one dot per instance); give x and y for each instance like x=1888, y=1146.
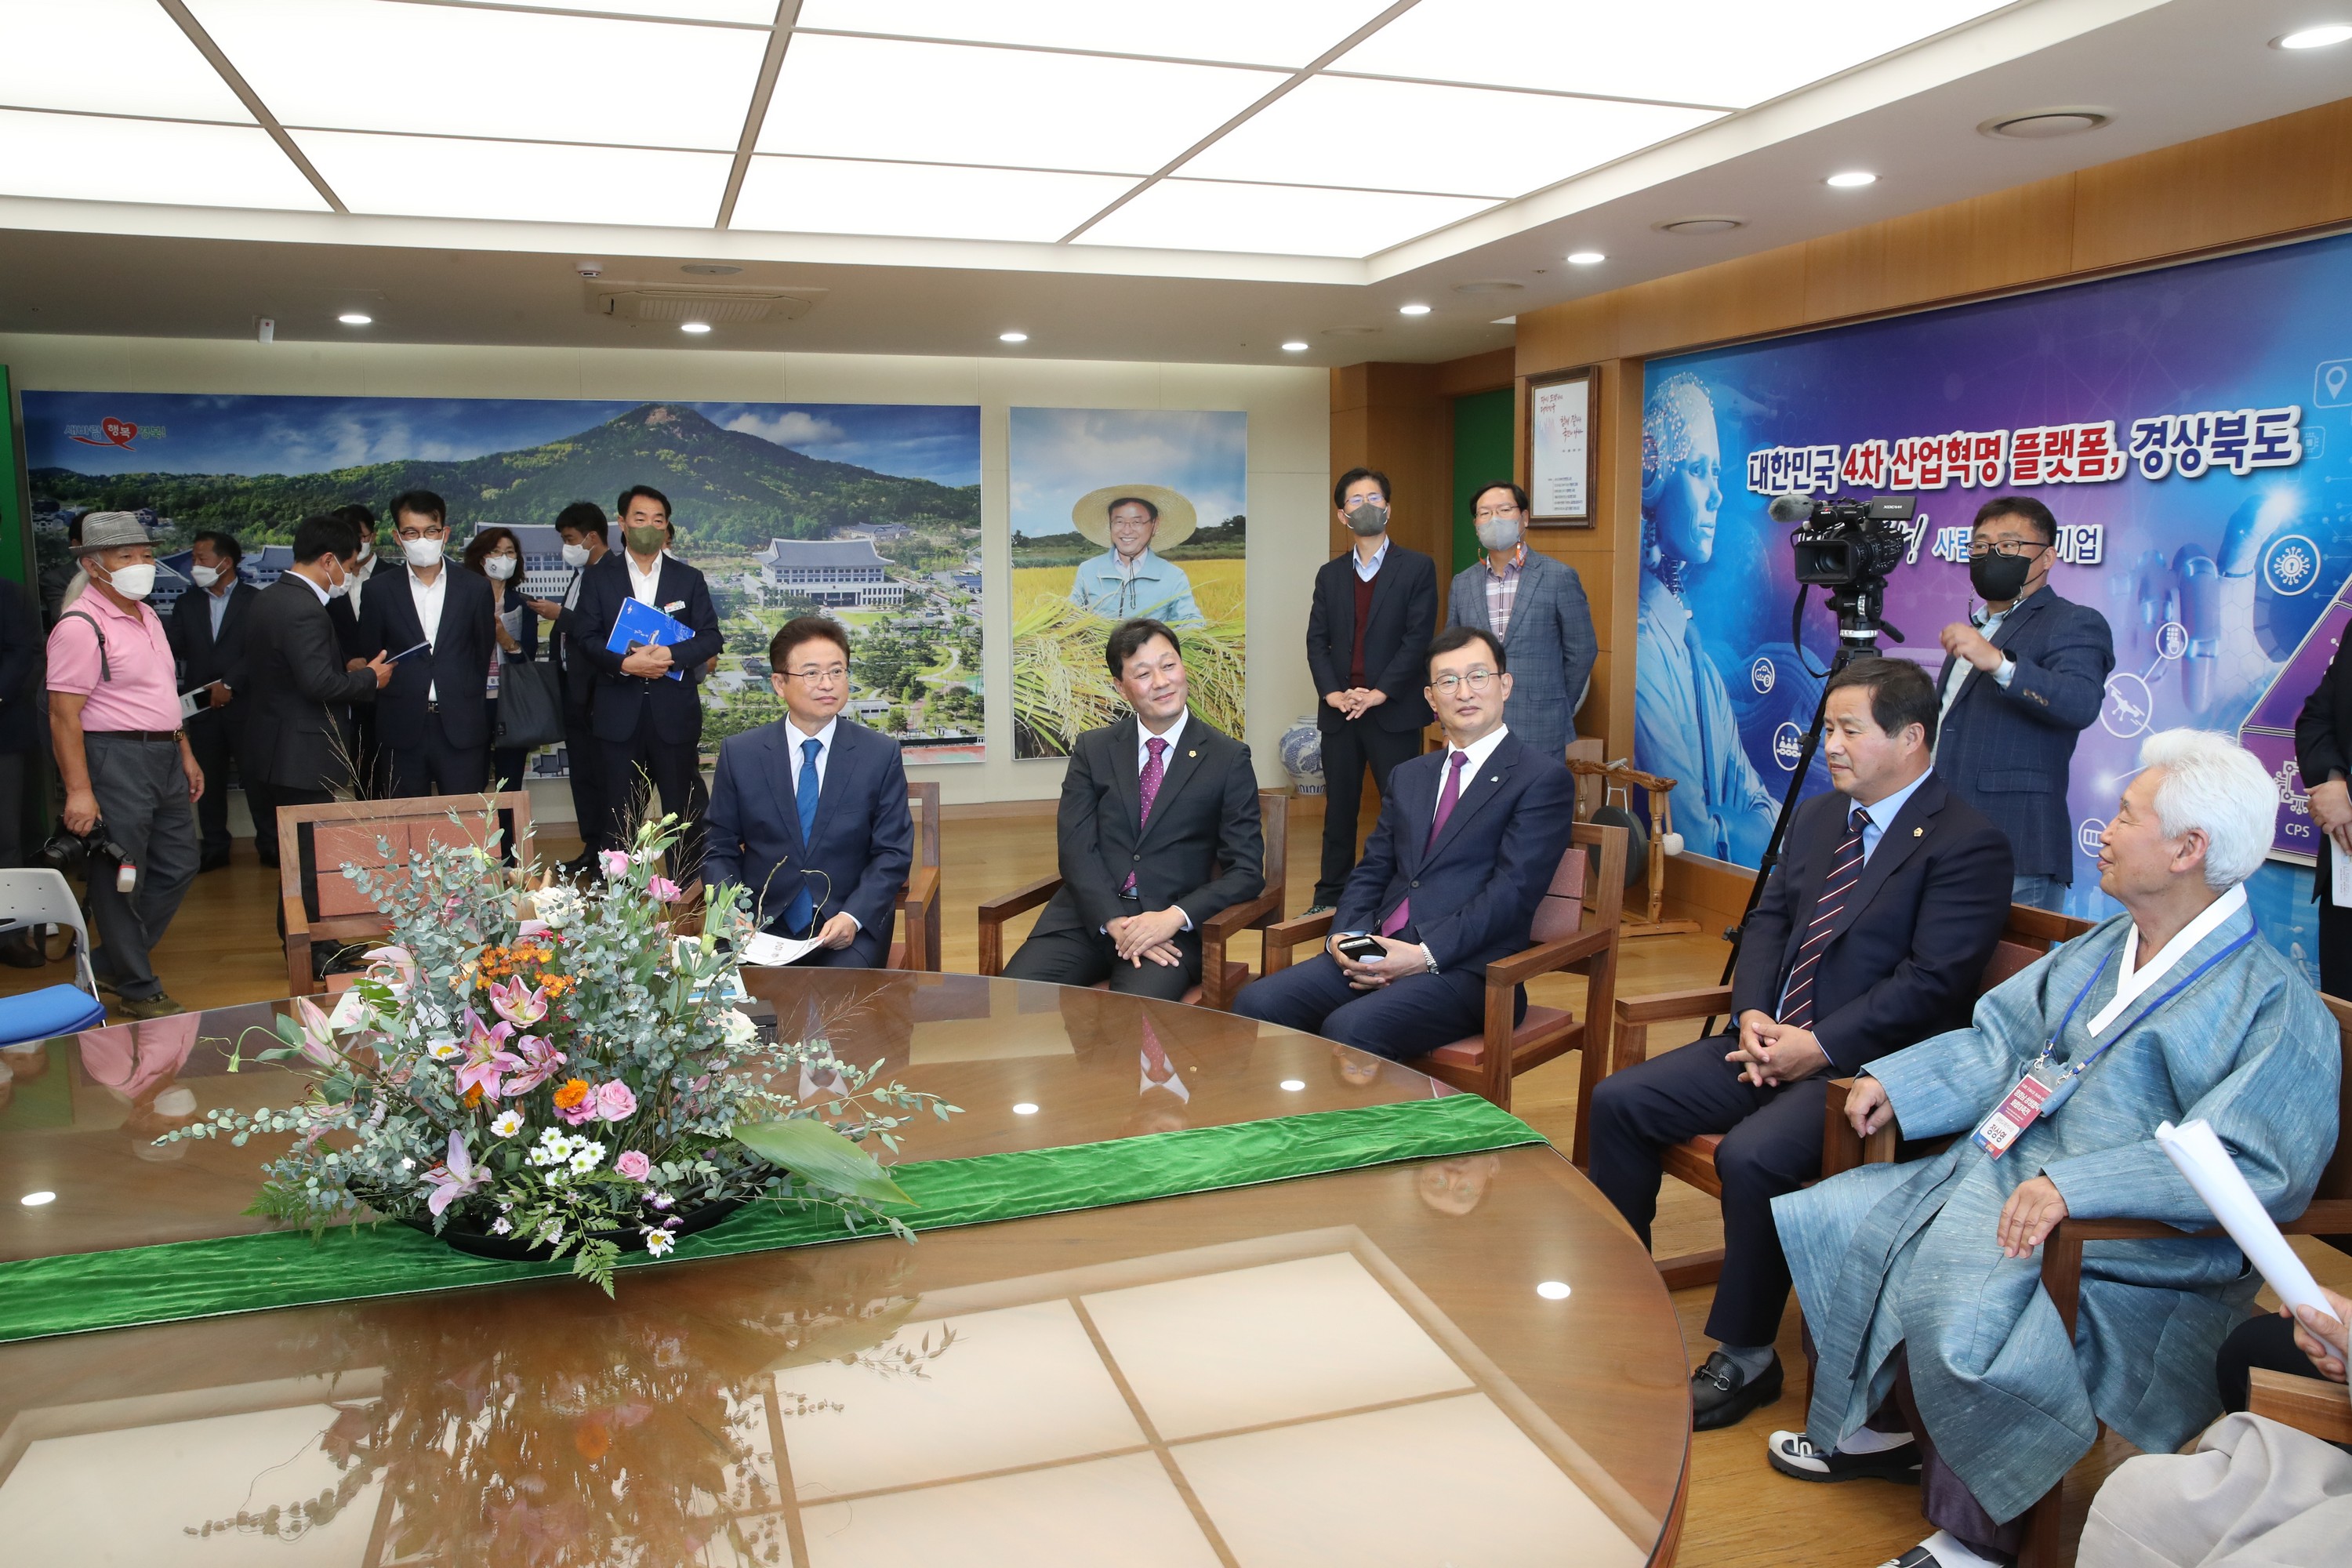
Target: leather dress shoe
x=211, y=860
x=1793, y=1454
x=1722, y=1395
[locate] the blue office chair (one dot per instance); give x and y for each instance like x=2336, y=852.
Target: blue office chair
x=36, y=899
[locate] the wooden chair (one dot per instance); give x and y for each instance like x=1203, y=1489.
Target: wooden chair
x=2316, y=1407
x=322, y=908
x=1575, y=929
x=2029, y=934
x=918, y=901
x=1221, y=977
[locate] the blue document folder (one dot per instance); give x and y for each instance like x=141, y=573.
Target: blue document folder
x=639, y=625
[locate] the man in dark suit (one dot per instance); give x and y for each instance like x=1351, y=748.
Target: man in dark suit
x=206, y=629
x=295, y=683
x=1158, y=831
x=1368, y=636
x=649, y=726
x=21, y=723
x=2022, y=680
x=1468, y=840
x=583, y=528
x=434, y=718
x=1871, y=936
x=808, y=813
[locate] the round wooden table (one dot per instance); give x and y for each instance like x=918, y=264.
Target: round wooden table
x=1464, y=1360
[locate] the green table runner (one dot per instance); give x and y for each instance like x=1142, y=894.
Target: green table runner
x=182, y=1280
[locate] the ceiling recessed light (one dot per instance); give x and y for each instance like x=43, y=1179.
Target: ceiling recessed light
x=1012, y=337
x=1585, y=259
x=1027, y=1108
x=2044, y=124
x=2320, y=37
x=1553, y=1289
x=1294, y=347
x=1701, y=225
x=695, y=327
x=1294, y=1084
x=711, y=269
x=1854, y=179
x=354, y=319
x=1413, y=309
x=35, y=1200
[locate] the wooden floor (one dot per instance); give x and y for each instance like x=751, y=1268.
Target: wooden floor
x=223, y=948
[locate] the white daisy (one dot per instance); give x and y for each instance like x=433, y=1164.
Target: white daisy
x=507, y=1124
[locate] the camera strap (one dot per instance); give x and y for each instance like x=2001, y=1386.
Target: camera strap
x=105, y=665
x=1796, y=637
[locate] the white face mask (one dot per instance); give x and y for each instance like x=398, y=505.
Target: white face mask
x=422, y=552
x=366, y=563
x=341, y=586
x=133, y=582
x=1498, y=532
x=205, y=576
x=576, y=556
x=498, y=567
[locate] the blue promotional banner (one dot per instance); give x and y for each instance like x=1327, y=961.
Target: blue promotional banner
x=2186, y=426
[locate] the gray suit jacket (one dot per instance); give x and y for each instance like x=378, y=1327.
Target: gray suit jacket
x=1550, y=646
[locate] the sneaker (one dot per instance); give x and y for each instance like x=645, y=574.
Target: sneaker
x=1793, y=1454
x=1313, y=910
x=1944, y=1550
x=156, y=1006
x=1722, y=1395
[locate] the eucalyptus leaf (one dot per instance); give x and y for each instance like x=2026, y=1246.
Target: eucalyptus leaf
x=820, y=1156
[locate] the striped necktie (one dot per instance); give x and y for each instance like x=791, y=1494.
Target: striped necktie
x=1797, y=1002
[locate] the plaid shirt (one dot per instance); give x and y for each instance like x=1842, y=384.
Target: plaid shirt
x=1503, y=590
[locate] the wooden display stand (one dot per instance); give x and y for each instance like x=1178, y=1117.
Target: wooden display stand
x=1661, y=822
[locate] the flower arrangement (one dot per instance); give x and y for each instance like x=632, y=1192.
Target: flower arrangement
x=550, y=1068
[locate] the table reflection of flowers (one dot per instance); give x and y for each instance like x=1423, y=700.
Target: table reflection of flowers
x=545, y=1068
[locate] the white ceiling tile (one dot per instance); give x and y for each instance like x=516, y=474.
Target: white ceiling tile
x=1251, y=32
x=1730, y=52
x=838, y=195
x=759, y=12
x=87, y=157
x=1277, y=220
x=867, y=97
x=1404, y=136
x=123, y=56
x=524, y=181
x=368, y=65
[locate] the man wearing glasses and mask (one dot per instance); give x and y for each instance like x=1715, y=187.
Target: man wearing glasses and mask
x=1535, y=607
x=2021, y=679
x=808, y=813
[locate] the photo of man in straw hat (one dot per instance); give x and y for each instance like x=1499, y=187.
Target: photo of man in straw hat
x=1130, y=579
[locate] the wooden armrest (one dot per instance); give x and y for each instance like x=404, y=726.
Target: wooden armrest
x=298, y=919
x=2305, y=1404
x=996, y=911
x=1843, y=1148
x=922, y=888
x=1283, y=935
x=2062, y=1254
x=1666, y=1007
x=2325, y=1216
x=1507, y=974
x=1234, y=919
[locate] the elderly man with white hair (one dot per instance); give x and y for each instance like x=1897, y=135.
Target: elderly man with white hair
x=1937, y=1346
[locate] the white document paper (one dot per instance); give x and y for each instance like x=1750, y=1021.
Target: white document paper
x=770, y=951
x=2218, y=1180
x=2340, y=864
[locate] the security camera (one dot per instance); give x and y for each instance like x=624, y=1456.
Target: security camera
x=589, y=268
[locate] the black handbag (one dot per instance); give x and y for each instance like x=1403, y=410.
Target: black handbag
x=531, y=708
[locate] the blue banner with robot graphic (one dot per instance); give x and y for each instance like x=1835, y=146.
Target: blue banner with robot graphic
x=2191, y=428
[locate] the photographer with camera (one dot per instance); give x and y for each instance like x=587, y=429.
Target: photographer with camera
x=130, y=780
x=2022, y=680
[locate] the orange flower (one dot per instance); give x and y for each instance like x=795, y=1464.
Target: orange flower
x=574, y=1091
x=473, y=1097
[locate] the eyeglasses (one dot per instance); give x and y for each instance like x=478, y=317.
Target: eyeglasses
x=2006, y=547
x=1490, y=513
x=1478, y=679
x=812, y=674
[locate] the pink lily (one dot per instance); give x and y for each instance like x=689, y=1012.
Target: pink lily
x=486, y=1059
x=520, y=1005
x=456, y=1179
x=394, y=966
x=539, y=1061
x=318, y=1032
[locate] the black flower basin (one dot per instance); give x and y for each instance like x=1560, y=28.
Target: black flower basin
x=516, y=1249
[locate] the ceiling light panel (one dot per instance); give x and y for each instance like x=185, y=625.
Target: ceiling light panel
x=1403, y=136
x=1275, y=220
x=91, y=158
x=455, y=70
x=125, y=57
x=522, y=181
x=1250, y=32
x=871, y=97
x=758, y=13
x=836, y=196
x=1728, y=52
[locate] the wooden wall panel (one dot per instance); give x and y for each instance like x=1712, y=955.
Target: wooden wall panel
x=1560, y=337
x=1743, y=299
x=2005, y=240
x=2277, y=177
x=1476, y=373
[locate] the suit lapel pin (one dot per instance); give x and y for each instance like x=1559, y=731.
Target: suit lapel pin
x=1918, y=833
x=1191, y=753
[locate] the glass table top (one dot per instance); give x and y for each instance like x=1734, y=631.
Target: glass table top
x=1356, y=1368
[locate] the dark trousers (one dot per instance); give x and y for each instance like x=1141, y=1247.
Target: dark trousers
x=1086, y=957
x=210, y=738
x=590, y=809
x=2267, y=1342
x=634, y=770
x=143, y=798
x=15, y=767
x=2335, y=929
x=1347, y=750
x=434, y=766
x=1408, y=1019
x=1771, y=1144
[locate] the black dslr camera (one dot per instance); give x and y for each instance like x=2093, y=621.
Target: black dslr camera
x=1846, y=545
x=74, y=853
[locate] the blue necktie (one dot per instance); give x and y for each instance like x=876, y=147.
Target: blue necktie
x=804, y=794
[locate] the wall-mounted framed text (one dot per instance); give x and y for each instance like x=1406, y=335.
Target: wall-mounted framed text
x=1560, y=450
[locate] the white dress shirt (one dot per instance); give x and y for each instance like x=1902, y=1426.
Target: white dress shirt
x=1368, y=570
x=429, y=597
x=219, y=604
x=1478, y=751
x=2132, y=982
x=1883, y=814
x=824, y=739
x=644, y=586
x=1989, y=623
x=1143, y=739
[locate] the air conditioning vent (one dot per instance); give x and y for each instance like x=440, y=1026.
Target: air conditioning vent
x=719, y=307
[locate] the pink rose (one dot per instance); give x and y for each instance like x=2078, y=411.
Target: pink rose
x=635, y=1165
x=615, y=1102
x=664, y=889
x=615, y=862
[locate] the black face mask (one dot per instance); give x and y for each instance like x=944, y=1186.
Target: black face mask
x=1997, y=579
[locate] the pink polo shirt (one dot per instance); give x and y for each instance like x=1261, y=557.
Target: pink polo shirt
x=142, y=693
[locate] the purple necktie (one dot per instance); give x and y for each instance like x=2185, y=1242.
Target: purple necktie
x=1148, y=786
x=1845, y=871
x=1445, y=799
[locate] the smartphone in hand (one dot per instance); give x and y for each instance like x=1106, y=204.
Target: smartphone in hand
x=1361, y=946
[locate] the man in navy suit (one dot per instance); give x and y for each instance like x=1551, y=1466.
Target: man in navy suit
x=207, y=634
x=583, y=530
x=434, y=718
x=809, y=813
x=2021, y=680
x=1468, y=840
x=1871, y=936
x=649, y=726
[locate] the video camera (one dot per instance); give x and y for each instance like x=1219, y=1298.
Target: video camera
x=1846, y=545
